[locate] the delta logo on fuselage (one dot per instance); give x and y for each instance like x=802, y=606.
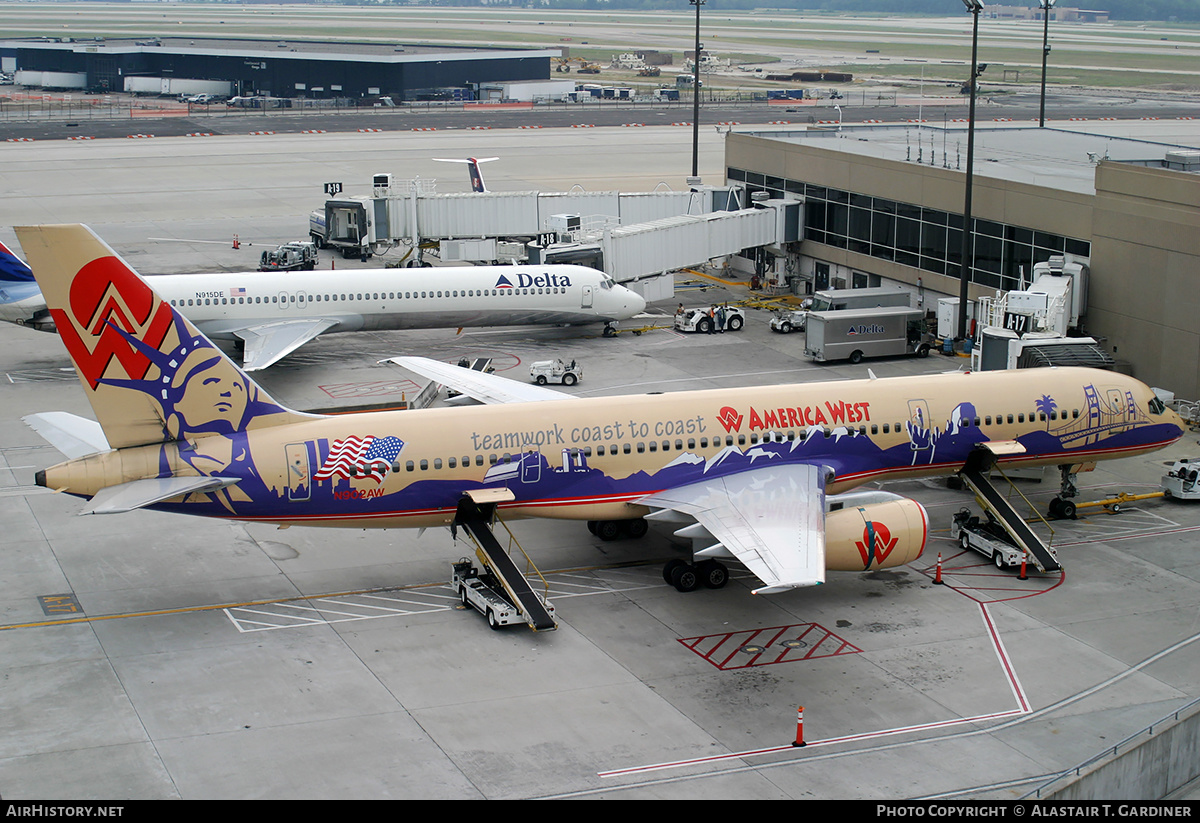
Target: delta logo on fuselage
x=537, y=281
x=826, y=414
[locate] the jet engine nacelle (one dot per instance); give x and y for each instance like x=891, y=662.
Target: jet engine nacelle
x=868, y=532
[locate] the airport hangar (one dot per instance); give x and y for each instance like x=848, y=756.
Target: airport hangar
x=888, y=201
x=276, y=68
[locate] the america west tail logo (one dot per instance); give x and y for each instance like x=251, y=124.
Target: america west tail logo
x=105, y=300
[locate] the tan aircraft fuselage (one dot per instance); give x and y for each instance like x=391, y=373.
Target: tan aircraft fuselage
x=589, y=459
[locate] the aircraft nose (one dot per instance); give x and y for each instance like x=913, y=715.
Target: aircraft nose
x=637, y=303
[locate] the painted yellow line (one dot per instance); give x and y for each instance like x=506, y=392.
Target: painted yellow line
x=69, y=621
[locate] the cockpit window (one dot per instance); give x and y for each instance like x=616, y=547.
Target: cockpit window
x=1157, y=406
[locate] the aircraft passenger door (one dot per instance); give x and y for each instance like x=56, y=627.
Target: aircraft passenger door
x=587, y=298
x=298, y=475
x=531, y=466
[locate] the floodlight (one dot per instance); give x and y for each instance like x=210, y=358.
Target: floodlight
x=973, y=6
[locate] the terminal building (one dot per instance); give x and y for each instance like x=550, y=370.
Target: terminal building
x=884, y=205
x=275, y=68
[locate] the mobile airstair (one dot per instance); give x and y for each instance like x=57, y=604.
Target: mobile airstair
x=477, y=515
x=1001, y=507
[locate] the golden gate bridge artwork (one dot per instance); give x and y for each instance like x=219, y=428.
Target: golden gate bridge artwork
x=1114, y=413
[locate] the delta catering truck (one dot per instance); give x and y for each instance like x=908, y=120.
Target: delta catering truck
x=852, y=334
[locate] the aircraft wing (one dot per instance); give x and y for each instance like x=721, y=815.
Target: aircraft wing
x=269, y=342
x=772, y=520
x=486, y=388
x=138, y=493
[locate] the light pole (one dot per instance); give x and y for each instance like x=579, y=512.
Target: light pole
x=1046, y=5
x=974, y=7
x=696, y=95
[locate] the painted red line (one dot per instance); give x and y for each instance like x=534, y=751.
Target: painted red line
x=1005, y=663
x=727, y=658
x=789, y=748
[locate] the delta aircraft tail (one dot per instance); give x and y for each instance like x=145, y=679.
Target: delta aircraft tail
x=473, y=170
x=149, y=375
x=20, y=300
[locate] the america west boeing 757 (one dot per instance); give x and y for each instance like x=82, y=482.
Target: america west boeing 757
x=745, y=472
x=271, y=314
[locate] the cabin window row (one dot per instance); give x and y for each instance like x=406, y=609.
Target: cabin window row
x=333, y=298
x=654, y=446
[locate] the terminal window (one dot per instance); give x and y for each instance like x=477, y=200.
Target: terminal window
x=916, y=236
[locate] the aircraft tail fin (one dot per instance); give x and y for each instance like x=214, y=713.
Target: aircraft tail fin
x=473, y=170
x=149, y=374
x=12, y=268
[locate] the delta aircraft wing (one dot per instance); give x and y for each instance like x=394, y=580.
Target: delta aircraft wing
x=742, y=472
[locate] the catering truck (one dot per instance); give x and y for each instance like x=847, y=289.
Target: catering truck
x=853, y=334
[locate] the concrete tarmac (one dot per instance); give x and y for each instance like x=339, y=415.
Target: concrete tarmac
x=149, y=655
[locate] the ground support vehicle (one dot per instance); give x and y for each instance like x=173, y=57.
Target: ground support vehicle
x=987, y=537
x=786, y=322
x=854, y=334
x=298, y=256
x=1183, y=480
x=555, y=371
x=838, y=299
x=484, y=593
x=704, y=320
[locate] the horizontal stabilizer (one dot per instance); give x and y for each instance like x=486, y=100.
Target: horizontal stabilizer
x=71, y=434
x=139, y=493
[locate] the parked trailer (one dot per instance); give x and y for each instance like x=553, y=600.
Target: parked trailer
x=854, y=334
x=177, y=86
x=838, y=299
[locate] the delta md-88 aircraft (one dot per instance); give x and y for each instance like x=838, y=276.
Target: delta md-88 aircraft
x=271, y=314
x=744, y=472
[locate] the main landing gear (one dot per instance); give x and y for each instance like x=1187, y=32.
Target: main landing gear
x=687, y=577
x=609, y=530
x=1063, y=506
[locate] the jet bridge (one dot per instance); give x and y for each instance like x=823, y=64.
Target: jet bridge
x=630, y=236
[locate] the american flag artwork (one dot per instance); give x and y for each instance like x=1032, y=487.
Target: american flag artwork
x=368, y=456
x=237, y=291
